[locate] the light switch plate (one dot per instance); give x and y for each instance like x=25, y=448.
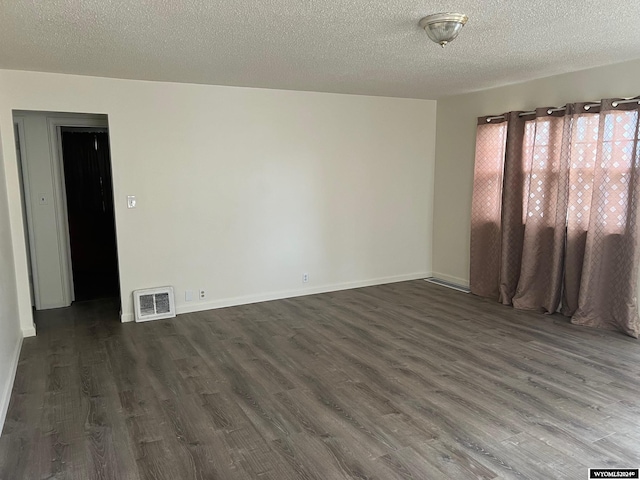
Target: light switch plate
x=131, y=201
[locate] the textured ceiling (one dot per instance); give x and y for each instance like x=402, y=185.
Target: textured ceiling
x=370, y=47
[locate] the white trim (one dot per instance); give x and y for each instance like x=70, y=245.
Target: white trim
x=26, y=191
x=62, y=213
x=6, y=395
x=451, y=279
x=266, y=297
x=29, y=332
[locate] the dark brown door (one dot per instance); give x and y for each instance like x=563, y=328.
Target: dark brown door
x=89, y=191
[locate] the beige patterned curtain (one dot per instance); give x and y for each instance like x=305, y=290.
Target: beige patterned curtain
x=486, y=210
x=555, y=214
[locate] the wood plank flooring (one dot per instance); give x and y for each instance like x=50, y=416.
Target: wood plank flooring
x=401, y=381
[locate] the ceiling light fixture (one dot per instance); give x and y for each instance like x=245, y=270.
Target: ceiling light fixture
x=443, y=28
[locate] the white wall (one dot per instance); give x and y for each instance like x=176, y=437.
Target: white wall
x=455, y=147
x=242, y=190
x=10, y=334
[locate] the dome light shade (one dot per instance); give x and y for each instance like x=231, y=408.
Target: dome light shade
x=443, y=28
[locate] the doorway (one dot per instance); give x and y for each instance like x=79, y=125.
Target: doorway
x=66, y=178
x=88, y=188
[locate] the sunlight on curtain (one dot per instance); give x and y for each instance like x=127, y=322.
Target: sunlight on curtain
x=543, y=148
x=487, y=207
x=488, y=173
x=544, y=215
x=583, y=155
x=609, y=277
x=618, y=157
x=576, y=176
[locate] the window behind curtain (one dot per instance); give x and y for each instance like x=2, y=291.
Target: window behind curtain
x=489, y=168
x=555, y=212
x=617, y=143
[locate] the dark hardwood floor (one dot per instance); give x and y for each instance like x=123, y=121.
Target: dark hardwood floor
x=408, y=380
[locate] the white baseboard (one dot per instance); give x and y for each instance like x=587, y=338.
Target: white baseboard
x=52, y=306
x=29, y=331
x=463, y=282
x=6, y=394
x=266, y=297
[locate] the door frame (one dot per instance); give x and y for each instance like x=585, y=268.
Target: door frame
x=23, y=171
x=54, y=127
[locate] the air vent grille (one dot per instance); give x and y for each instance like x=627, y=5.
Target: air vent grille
x=147, y=305
x=162, y=303
x=154, y=304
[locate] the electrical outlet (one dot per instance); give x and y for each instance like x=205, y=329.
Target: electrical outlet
x=188, y=296
x=305, y=277
x=202, y=294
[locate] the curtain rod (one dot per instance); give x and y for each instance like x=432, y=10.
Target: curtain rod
x=588, y=106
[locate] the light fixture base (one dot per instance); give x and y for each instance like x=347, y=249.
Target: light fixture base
x=443, y=28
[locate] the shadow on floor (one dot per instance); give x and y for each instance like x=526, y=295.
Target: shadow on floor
x=92, y=312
